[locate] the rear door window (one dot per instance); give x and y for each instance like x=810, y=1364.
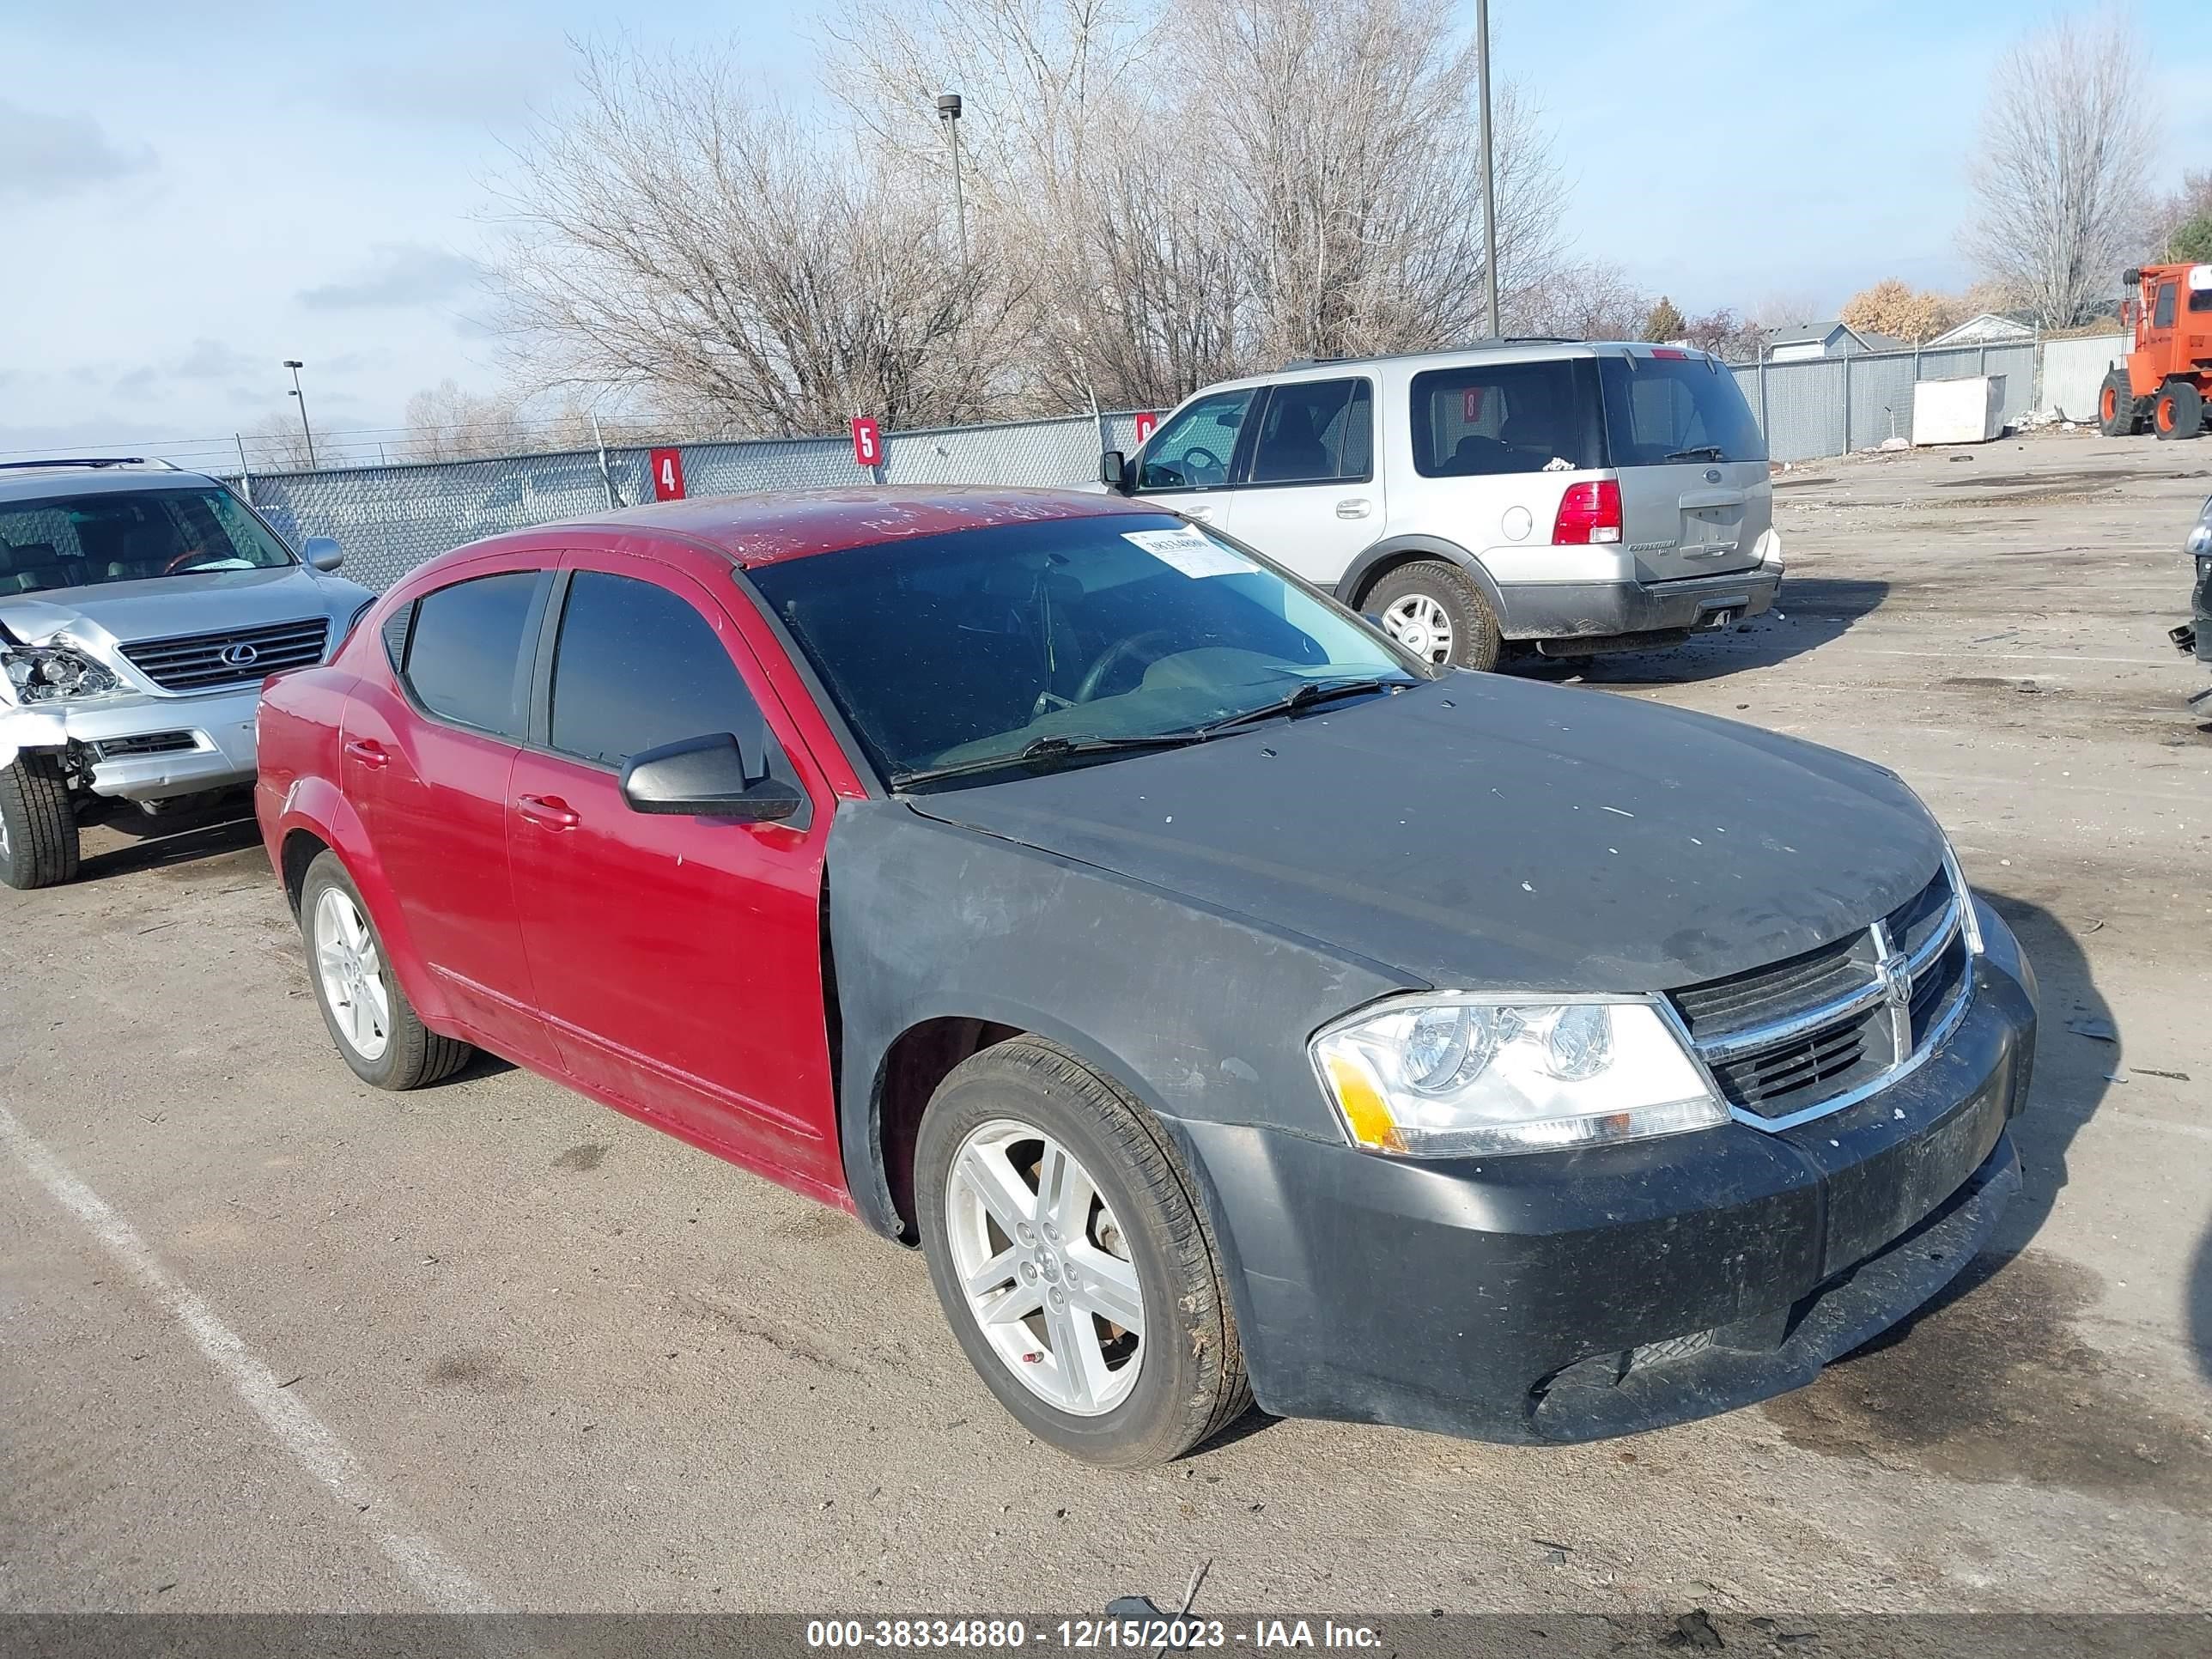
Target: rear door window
x=465, y=653
x=1480, y=419
x=1316, y=432
x=1673, y=410
x=636, y=667
x=1197, y=447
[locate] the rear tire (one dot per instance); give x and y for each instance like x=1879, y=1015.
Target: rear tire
x=376, y=1030
x=2179, y=411
x=2116, y=406
x=1027, y=1283
x=1435, y=609
x=37, y=826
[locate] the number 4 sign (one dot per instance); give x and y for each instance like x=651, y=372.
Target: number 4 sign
x=667, y=475
x=867, y=442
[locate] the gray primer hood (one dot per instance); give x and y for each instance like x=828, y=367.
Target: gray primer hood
x=1485, y=832
x=192, y=603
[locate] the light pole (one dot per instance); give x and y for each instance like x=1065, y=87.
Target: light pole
x=305, y=431
x=948, y=111
x=1489, y=170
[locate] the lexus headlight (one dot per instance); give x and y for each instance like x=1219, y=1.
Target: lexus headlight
x=1434, y=1076
x=54, y=673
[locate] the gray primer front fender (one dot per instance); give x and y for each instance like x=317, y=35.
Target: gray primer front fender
x=1201, y=1014
x=1398, y=548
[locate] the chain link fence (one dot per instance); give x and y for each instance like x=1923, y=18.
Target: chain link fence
x=390, y=519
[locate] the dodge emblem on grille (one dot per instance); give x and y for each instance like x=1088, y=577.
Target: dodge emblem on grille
x=240, y=656
x=1895, y=974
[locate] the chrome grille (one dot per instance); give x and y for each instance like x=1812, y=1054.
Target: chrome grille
x=1798, y=1037
x=238, y=656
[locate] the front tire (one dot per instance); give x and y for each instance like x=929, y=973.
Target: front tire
x=1434, y=610
x=37, y=826
x=2116, y=406
x=1065, y=1239
x=2179, y=411
x=375, y=1028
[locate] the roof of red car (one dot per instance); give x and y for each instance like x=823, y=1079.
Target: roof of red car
x=762, y=529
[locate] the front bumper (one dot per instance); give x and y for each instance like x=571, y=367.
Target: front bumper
x=1591, y=612
x=1570, y=1296
x=143, y=748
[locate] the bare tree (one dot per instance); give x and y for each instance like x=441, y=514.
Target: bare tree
x=446, y=423
x=1189, y=194
x=1589, y=301
x=2066, y=143
x=278, y=445
x=1349, y=161
x=2183, y=220
x=677, y=235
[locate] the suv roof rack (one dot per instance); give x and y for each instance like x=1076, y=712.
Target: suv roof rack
x=1486, y=343
x=89, y=460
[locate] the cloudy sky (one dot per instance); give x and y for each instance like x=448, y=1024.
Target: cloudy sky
x=194, y=193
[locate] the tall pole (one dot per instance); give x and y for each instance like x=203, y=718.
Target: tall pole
x=1489, y=172
x=305, y=431
x=948, y=111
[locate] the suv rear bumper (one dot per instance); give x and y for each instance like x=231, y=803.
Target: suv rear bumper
x=1590, y=610
x=146, y=748
x=1574, y=1295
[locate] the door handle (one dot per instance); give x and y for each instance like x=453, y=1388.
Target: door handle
x=1201, y=512
x=368, y=753
x=548, y=812
x=1356, y=507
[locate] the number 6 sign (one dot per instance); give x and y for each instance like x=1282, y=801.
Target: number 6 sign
x=867, y=442
x=667, y=475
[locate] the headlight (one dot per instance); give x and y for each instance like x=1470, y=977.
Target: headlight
x=352, y=623
x=1968, y=922
x=1433, y=1076
x=53, y=673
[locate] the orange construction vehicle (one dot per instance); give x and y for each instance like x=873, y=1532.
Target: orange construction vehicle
x=2167, y=384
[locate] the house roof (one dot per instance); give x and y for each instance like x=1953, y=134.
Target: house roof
x=1987, y=325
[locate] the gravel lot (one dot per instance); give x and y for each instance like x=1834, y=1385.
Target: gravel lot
x=491, y=1345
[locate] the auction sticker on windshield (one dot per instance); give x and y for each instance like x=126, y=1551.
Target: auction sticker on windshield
x=1190, y=551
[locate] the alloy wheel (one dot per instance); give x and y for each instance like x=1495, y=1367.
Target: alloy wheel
x=352, y=975
x=1045, y=1267
x=1420, y=623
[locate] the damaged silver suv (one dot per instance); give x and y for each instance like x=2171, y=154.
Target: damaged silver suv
x=141, y=608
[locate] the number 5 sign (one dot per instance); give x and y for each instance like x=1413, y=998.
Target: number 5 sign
x=867, y=442
x=667, y=475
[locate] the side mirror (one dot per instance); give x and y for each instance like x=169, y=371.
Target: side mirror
x=707, y=778
x=322, y=552
x=1113, y=470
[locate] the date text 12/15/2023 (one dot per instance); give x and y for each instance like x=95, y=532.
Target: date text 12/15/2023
x=1139, y=1634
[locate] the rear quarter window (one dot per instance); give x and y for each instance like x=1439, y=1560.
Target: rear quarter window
x=1480, y=420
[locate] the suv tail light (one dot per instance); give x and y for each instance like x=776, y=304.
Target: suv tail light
x=1589, y=513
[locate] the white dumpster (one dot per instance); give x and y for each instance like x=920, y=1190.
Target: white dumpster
x=1968, y=410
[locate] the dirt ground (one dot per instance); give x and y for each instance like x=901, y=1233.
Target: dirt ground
x=269, y=1340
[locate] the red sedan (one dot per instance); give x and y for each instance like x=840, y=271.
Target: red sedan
x=1228, y=1004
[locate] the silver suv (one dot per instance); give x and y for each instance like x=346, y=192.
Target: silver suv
x=1576, y=495
x=141, y=608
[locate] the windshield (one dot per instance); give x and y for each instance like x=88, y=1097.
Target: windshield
x=79, y=541
x=949, y=650
x=1659, y=409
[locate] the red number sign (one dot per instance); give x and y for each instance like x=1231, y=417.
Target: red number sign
x=1471, y=405
x=867, y=442
x=667, y=475
x=1147, y=423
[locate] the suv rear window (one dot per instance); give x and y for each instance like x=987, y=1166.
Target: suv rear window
x=1480, y=419
x=1659, y=409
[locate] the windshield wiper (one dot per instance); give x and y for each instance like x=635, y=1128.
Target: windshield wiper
x=1699, y=452
x=1308, y=696
x=1045, y=750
